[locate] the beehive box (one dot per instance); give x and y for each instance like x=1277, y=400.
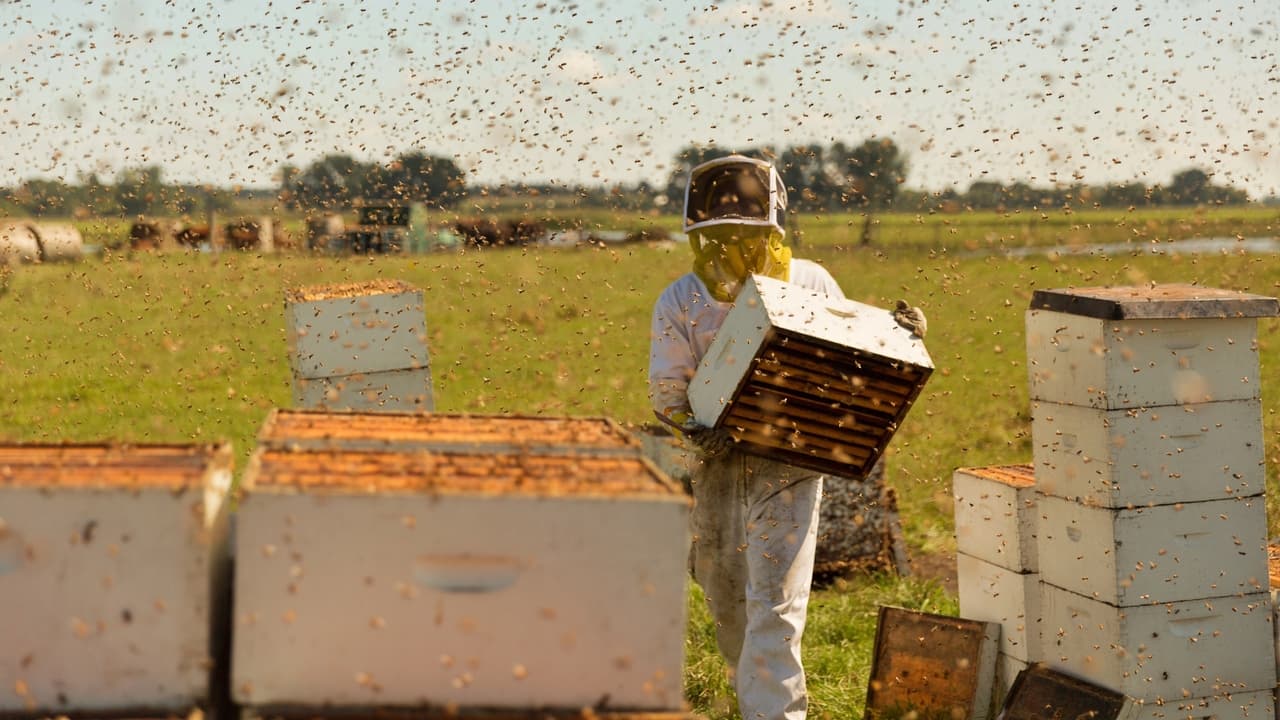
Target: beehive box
x=1163, y=553
x=345, y=329
x=394, y=390
x=113, y=575
x=1149, y=456
x=820, y=382
x=490, y=571
x=931, y=666
x=1129, y=347
x=1000, y=595
x=1162, y=652
x=317, y=430
x=995, y=515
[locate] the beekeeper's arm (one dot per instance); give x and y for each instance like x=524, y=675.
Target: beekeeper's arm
x=671, y=367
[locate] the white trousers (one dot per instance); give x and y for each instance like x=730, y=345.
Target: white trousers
x=755, y=527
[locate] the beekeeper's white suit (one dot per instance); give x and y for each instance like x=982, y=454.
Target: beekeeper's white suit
x=754, y=521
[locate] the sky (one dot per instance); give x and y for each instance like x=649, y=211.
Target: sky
x=229, y=92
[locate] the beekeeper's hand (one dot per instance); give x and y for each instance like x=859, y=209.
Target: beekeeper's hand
x=712, y=442
x=911, y=318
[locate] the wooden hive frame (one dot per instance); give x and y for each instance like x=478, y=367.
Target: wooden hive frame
x=825, y=407
x=448, y=433
x=817, y=381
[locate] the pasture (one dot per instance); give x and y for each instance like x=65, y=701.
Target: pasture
x=191, y=347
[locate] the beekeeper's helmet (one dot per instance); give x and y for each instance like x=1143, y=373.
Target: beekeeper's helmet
x=734, y=210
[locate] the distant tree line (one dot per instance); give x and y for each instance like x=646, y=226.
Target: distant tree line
x=135, y=192
x=334, y=181
x=869, y=177
x=865, y=178
x=1188, y=187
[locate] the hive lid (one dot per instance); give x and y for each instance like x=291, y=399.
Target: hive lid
x=109, y=465
x=1171, y=301
x=481, y=473
x=313, y=293
x=315, y=430
x=1018, y=476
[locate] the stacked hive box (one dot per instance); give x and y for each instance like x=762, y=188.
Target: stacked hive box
x=415, y=560
x=114, y=572
x=996, y=564
x=359, y=346
x=820, y=382
x=1151, y=533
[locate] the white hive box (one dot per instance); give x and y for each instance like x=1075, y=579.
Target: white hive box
x=1149, y=456
x=406, y=561
x=816, y=381
x=113, y=576
x=1000, y=595
x=1163, y=553
x=396, y=390
x=355, y=328
x=1257, y=705
x=1168, y=651
x=1129, y=347
x=995, y=515
x=1007, y=669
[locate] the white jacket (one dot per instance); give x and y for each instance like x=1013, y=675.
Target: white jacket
x=686, y=319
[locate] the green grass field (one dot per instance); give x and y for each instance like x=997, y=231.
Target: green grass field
x=191, y=347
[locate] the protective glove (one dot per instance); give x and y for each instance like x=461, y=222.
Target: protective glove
x=711, y=442
x=911, y=318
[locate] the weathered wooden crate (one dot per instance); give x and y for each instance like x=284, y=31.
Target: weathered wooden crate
x=995, y=515
x=1149, y=456
x=1000, y=595
x=816, y=381
x=931, y=666
x=1161, y=652
x=1132, y=347
x=114, y=573
x=370, y=327
x=1042, y=693
x=407, y=561
x=1156, y=554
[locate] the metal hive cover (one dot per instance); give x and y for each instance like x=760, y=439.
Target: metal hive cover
x=1171, y=301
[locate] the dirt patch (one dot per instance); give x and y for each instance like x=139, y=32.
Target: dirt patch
x=936, y=566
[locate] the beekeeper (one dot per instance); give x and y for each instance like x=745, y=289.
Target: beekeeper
x=755, y=520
